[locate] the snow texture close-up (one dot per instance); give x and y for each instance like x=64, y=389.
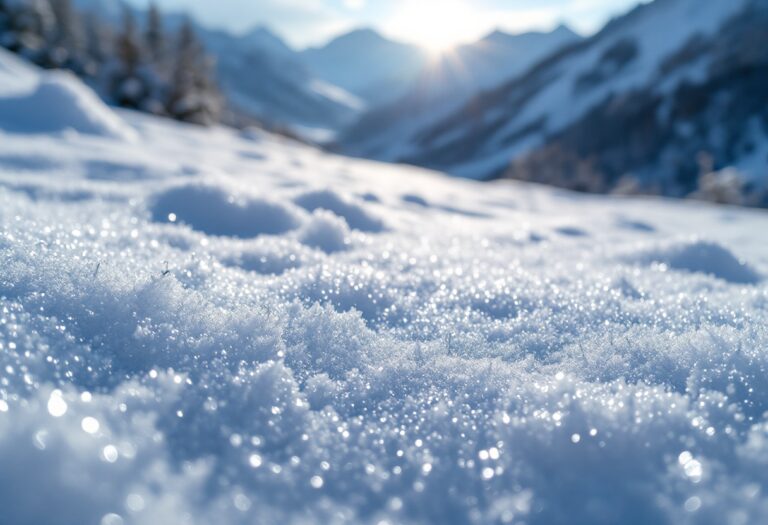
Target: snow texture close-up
x=210, y=326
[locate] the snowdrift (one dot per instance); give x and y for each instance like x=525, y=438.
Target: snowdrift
x=54, y=102
x=15, y=74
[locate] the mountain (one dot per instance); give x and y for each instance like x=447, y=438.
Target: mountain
x=445, y=85
x=673, y=89
x=261, y=76
x=367, y=64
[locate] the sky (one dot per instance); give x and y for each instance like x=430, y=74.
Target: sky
x=436, y=24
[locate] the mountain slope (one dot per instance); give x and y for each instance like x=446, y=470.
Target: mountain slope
x=201, y=326
x=711, y=113
x=447, y=84
x=365, y=63
x=263, y=77
x=639, y=82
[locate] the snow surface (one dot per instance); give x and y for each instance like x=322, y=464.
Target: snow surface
x=54, y=102
x=205, y=326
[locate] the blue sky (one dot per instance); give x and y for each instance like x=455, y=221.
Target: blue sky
x=433, y=23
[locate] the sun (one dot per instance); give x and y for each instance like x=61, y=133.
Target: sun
x=437, y=26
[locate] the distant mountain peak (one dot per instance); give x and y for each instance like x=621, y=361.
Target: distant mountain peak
x=265, y=38
x=501, y=36
x=497, y=34
x=362, y=32
x=564, y=28
x=363, y=36
x=367, y=64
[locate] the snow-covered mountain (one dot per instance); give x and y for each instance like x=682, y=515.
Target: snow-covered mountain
x=367, y=64
x=446, y=84
x=201, y=325
x=641, y=98
x=261, y=76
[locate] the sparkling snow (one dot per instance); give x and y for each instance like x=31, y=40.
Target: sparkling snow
x=204, y=326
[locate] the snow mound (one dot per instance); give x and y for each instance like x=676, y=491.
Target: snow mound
x=326, y=231
x=61, y=102
x=213, y=210
x=356, y=216
x=418, y=200
x=704, y=257
x=16, y=75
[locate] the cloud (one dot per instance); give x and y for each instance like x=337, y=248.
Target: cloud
x=354, y=4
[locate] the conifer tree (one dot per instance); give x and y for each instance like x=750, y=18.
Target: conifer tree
x=128, y=85
x=154, y=35
x=193, y=94
x=27, y=27
x=68, y=37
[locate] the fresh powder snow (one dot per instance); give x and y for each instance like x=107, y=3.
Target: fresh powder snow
x=209, y=326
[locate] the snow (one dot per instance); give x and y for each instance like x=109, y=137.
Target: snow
x=704, y=257
x=448, y=83
x=657, y=29
x=315, y=339
x=327, y=232
x=17, y=75
x=355, y=215
x=57, y=103
x=210, y=209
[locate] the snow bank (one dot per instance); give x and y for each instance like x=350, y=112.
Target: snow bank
x=326, y=231
x=382, y=359
x=61, y=102
x=16, y=75
x=355, y=215
x=213, y=210
x=703, y=257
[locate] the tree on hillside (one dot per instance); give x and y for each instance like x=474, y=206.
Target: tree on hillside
x=26, y=27
x=98, y=40
x=133, y=67
x=193, y=95
x=154, y=35
x=68, y=41
x=128, y=85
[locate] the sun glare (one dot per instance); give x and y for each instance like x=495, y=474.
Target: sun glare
x=436, y=26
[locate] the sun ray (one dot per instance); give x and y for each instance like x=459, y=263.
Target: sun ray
x=437, y=27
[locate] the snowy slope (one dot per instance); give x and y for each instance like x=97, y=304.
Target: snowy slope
x=204, y=326
x=444, y=86
x=631, y=54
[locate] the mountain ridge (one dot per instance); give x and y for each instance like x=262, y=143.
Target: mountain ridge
x=644, y=71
